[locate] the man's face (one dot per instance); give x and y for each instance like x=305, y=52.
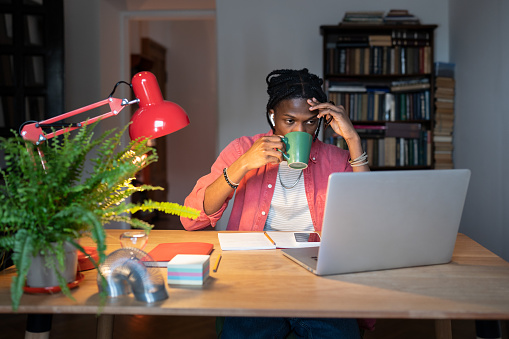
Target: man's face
x=293, y=115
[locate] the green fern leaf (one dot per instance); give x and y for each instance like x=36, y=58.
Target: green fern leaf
x=168, y=208
x=22, y=258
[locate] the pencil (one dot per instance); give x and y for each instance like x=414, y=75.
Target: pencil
x=268, y=237
x=216, y=266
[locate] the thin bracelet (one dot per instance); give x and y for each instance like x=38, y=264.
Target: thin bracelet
x=360, y=164
x=359, y=161
x=360, y=158
x=231, y=184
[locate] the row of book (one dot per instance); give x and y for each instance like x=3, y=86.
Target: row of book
x=378, y=60
x=402, y=85
x=381, y=105
x=392, y=151
x=444, y=116
x=395, y=38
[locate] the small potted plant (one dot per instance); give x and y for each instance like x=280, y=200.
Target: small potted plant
x=66, y=188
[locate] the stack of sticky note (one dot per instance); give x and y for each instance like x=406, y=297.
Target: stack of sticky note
x=188, y=269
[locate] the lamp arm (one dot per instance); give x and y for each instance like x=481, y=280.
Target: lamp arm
x=33, y=132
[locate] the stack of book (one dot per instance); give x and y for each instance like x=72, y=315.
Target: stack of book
x=400, y=17
x=444, y=115
x=364, y=17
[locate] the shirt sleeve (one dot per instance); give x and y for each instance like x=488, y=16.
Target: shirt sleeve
x=197, y=196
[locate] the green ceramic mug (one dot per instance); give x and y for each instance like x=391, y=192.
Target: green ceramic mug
x=298, y=147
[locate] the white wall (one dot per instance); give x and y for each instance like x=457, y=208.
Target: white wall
x=110, y=52
x=92, y=50
x=478, y=46
x=82, y=48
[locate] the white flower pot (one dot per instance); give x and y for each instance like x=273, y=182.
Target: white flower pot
x=39, y=275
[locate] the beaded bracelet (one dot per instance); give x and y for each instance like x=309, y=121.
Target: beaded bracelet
x=359, y=161
x=231, y=184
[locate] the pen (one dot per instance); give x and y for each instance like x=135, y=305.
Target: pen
x=268, y=237
x=216, y=266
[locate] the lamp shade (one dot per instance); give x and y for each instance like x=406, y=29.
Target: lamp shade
x=155, y=117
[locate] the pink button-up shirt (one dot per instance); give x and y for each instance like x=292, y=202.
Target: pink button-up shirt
x=254, y=194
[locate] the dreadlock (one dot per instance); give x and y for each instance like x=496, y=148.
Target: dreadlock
x=286, y=84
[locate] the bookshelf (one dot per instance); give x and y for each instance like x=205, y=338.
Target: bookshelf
x=31, y=61
x=383, y=75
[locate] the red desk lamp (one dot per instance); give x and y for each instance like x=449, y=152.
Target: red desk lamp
x=154, y=118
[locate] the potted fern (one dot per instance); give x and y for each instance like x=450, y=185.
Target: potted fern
x=55, y=199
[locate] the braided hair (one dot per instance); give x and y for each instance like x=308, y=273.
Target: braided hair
x=284, y=84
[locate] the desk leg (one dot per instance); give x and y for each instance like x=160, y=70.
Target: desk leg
x=488, y=329
x=105, y=326
x=443, y=329
x=38, y=326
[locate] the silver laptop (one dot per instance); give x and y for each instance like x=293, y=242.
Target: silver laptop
x=388, y=219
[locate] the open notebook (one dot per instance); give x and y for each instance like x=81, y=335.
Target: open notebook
x=388, y=219
x=239, y=241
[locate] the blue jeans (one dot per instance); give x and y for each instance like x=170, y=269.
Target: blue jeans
x=311, y=328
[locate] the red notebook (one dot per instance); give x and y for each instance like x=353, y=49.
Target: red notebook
x=163, y=253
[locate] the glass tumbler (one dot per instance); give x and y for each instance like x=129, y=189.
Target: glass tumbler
x=134, y=239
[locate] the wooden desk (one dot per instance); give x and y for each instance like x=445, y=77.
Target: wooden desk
x=475, y=285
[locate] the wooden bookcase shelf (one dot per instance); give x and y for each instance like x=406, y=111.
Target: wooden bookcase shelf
x=31, y=61
x=383, y=75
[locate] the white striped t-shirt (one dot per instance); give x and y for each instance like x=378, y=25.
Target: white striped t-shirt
x=289, y=210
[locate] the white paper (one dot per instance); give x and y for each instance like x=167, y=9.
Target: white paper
x=238, y=241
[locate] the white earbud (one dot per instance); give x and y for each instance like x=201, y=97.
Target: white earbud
x=272, y=119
